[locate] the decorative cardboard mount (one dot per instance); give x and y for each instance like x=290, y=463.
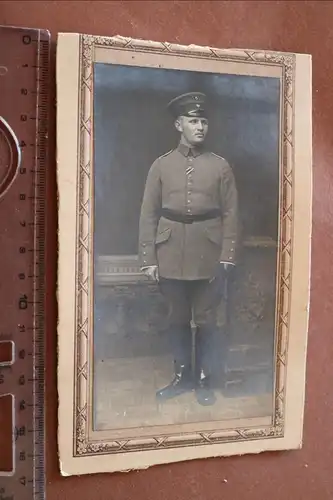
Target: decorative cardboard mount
x=82, y=448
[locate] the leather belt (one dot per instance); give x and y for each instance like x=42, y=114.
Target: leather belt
x=189, y=218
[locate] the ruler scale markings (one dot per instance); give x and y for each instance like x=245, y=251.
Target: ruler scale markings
x=27, y=85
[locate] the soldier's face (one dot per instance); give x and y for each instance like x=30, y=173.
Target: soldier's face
x=193, y=129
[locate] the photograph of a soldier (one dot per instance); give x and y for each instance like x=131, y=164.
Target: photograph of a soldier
x=188, y=233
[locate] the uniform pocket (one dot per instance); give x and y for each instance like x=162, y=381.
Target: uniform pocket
x=214, y=234
x=163, y=236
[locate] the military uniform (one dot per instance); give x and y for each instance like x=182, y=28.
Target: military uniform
x=190, y=183
x=188, y=228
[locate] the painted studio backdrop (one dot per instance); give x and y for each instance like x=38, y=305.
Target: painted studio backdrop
x=132, y=127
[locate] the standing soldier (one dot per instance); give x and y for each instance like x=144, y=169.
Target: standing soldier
x=187, y=242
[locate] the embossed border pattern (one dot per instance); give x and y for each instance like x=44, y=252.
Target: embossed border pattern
x=81, y=445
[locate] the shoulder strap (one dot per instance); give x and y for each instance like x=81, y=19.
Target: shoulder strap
x=218, y=156
x=165, y=154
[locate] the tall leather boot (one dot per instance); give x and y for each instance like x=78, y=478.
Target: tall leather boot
x=181, y=339
x=181, y=383
x=203, y=380
x=221, y=344
x=203, y=391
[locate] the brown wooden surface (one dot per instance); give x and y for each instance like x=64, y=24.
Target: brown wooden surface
x=292, y=26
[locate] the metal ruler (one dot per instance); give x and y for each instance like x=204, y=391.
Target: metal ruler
x=24, y=110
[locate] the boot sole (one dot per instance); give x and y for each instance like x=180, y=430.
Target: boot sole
x=162, y=397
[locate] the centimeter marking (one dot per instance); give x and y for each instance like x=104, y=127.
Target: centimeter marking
x=28, y=479
x=39, y=270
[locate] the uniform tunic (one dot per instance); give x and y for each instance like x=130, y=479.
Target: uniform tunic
x=188, y=181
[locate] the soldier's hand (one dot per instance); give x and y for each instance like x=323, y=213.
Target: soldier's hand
x=152, y=272
x=222, y=270
x=228, y=267
x=219, y=272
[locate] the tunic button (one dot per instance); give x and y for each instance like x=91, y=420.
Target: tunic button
x=144, y=253
x=189, y=210
x=188, y=201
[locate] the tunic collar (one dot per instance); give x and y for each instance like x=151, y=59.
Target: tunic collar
x=186, y=150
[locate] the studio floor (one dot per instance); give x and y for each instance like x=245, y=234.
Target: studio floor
x=125, y=397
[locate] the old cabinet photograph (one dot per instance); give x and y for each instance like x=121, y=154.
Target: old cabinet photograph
x=184, y=192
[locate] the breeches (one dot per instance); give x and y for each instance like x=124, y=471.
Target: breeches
x=198, y=301
x=195, y=300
